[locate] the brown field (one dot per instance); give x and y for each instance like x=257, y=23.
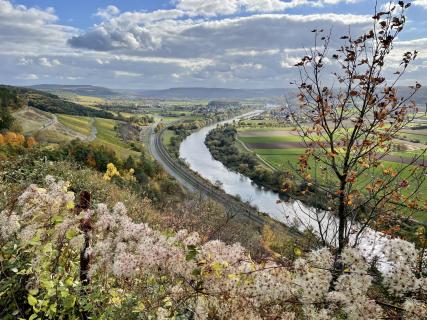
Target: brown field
x=258, y=133
x=275, y=145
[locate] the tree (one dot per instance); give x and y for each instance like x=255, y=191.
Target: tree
x=30, y=142
x=13, y=138
x=129, y=163
x=90, y=161
x=6, y=119
x=348, y=126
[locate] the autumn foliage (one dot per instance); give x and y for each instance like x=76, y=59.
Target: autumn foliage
x=16, y=139
x=350, y=113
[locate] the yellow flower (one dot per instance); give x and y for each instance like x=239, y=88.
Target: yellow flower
x=111, y=172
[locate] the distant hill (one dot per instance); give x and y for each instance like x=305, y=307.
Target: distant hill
x=212, y=93
x=195, y=93
x=244, y=94
x=52, y=103
x=82, y=90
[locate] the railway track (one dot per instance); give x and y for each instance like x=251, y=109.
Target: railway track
x=201, y=185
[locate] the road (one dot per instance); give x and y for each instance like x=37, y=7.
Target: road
x=93, y=130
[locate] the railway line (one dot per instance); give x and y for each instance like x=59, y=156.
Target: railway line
x=195, y=183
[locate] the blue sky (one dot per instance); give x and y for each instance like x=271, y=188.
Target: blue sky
x=80, y=13
x=158, y=44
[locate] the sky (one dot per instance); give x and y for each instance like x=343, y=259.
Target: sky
x=156, y=44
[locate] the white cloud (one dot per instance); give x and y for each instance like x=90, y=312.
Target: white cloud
x=45, y=62
x=108, y=12
x=30, y=30
x=174, y=47
x=121, y=73
x=193, y=38
x=211, y=8
x=420, y=3
x=24, y=61
x=73, y=78
x=29, y=76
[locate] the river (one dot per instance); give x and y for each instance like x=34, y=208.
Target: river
x=197, y=156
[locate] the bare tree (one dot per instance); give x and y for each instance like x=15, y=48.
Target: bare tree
x=348, y=125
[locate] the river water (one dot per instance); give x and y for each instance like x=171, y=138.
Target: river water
x=197, y=156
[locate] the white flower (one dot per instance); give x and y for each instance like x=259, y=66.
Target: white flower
x=9, y=224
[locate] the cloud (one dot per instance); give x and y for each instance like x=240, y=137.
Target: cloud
x=108, y=12
x=45, y=62
x=29, y=76
x=193, y=38
x=128, y=30
x=210, y=8
x=420, y=3
x=30, y=30
x=127, y=74
x=182, y=46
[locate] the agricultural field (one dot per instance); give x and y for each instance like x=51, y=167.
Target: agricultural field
x=86, y=101
x=53, y=136
x=62, y=128
x=281, y=147
x=31, y=120
x=107, y=135
x=82, y=125
x=47, y=127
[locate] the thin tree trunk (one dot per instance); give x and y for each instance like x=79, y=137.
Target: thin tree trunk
x=85, y=226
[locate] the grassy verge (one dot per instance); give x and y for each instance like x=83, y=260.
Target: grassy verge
x=167, y=136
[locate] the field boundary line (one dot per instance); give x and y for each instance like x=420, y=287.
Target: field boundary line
x=265, y=162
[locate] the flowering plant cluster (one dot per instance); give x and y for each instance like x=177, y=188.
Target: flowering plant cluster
x=137, y=272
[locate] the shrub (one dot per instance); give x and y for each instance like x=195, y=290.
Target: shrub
x=137, y=272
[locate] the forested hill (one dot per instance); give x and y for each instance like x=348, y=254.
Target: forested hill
x=274, y=94
x=83, y=90
x=19, y=97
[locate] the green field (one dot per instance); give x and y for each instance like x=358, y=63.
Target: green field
x=275, y=152
x=415, y=136
x=52, y=136
x=280, y=128
x=271, y=139
x=167, y=136
x=106, y=135
x=286, y=159
x=79, y=124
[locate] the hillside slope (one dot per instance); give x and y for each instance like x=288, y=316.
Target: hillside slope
x=82, y=90
x=52, y=103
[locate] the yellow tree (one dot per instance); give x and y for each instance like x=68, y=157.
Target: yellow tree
x=30, y=142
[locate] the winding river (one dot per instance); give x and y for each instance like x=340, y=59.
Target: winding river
x=197, y=156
